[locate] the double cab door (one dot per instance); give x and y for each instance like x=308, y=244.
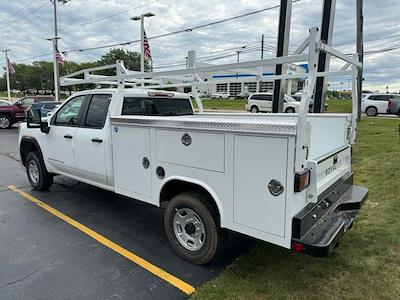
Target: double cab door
x=77, y=141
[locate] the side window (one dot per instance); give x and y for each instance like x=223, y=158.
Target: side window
x=97, y=111
x=156, y=106
x=262, y=97
x=379, y=97
x=68, y=114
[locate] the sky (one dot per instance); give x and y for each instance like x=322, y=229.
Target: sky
x=26, y=24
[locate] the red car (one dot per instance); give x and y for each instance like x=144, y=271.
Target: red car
x=14, y=113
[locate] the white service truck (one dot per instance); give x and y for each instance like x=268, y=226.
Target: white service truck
x=282, y=178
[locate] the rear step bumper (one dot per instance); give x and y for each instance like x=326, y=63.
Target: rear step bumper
x=317, y=229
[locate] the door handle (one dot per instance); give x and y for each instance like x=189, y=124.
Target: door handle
x=97, y=140
x=68, y=136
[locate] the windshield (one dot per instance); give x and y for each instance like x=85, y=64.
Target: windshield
x=289, y=98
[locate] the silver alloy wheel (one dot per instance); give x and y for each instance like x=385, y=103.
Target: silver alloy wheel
x=4, y=122
x=33, y=171
x=254, y=110
x=371, y=111
x=189, y=229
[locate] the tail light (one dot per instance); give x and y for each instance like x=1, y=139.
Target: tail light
x=390, y=104
x=301, y=180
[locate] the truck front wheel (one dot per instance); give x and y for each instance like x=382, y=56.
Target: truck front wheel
x=191, y=228
x=38, y=176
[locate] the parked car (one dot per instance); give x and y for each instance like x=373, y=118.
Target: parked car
x=297, y=97
x=11, y=114
x=29, y=100
x=262, y=102
x=4, y=103
x=243, y=95
x=220, y=96
x=374, y=104
x=14, y=113
x=45, y=107
x=394, y=105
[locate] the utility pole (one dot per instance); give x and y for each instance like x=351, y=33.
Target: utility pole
x=7, y=74
x=360, y=52
x=285, y=15
x=327, y=24
x=262, y=47
x=141, y=19
x=55, y=48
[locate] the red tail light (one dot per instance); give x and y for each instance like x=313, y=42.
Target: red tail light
x=297, y=247
x=390, y=104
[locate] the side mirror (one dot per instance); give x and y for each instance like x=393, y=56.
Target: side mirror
x=18, y=103
x=34, y=120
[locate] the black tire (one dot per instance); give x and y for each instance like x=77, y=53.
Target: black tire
x=290, y=110
x=254, y=109
x=44, y=179
x=5, y=122
x=371, y=111
x=213, y=238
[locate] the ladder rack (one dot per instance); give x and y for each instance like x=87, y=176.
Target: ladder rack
x=189, y=77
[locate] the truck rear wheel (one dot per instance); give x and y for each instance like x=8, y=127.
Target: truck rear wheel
x=5, y=122
x=38, y=176
x=191, y=228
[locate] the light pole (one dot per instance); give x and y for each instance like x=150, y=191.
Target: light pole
x=55, y=67
x=141, y=19
x=7, y=74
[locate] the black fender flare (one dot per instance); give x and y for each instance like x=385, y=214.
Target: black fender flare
x=30, y=140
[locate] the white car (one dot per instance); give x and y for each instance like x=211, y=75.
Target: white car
x=220, y=96
x=262, y=102
x=374, y=104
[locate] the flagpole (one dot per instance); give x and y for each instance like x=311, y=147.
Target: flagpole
x=141, y=19
x=7, y=74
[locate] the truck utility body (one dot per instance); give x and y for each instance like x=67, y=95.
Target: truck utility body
x=282, y=178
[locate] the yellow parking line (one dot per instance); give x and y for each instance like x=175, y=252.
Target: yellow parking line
x=176, y=282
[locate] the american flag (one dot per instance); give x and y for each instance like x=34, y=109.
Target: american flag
x=147, y=52
x=10, y=67
x=59, y=57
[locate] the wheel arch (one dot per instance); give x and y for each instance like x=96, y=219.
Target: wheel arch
x=177, y=184
x=255, y=105
x=29, y=144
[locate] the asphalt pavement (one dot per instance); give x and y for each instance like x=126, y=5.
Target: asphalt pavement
x=81, y=242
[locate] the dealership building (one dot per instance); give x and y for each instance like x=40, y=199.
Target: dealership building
x=235, y=83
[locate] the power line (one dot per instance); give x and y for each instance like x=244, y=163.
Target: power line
x=180, y=31
x=18, y=11
x=69, y=28
x=26, y=21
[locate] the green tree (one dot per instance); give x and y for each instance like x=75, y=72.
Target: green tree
x=131, y=59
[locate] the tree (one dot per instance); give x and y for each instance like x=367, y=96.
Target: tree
x=131, y=59
x=39, y=75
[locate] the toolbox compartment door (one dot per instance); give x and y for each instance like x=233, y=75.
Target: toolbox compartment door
x=257, y=161
x=131, y=147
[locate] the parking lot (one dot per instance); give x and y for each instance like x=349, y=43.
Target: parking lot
x=80, y=242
